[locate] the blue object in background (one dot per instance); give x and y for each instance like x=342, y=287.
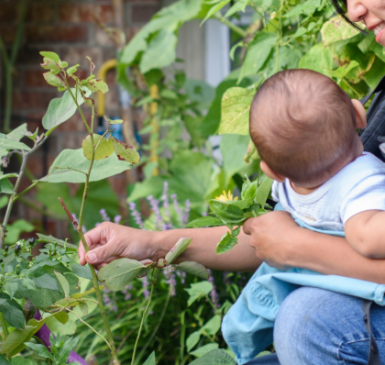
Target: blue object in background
x=117, y=128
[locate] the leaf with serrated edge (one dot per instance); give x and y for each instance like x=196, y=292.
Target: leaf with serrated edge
x=124, y=152
x=178, y=248
x=117, y=274
x=194, y=268
x=105, y=147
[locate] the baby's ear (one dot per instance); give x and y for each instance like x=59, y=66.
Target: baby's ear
x=271, y=173
x=360, y=113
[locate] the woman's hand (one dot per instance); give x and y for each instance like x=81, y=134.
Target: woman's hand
x=272, y=237
x=109, y=241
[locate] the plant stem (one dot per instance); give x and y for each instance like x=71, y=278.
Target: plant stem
x=144, y=315
x=156, y=327
x=81, y=235
x=232, y=26
x=4, y=325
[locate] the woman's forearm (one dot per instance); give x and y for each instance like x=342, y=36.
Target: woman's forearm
x=202, y=249
x=332, y=255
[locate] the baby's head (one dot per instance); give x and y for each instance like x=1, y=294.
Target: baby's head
x=304, y=126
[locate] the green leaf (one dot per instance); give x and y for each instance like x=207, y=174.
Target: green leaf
x=4, y=361
x=240, y=5
x=205, y=222
x=12, y=312
x=9, y=144
x=198, y=290
x=17, y=338
x=46, y=281
x=84, y=308
x=192, y=340
x=64, y=283
x=215, y=9
x=11, y=288
x=169, y=94
x=226, y=243
x=96, y=85
x=53, y=79
x=114, y=121
x=337, y=29
x=319, y=59
x=71, y=70
x=76, y=160
x=212, y=326
x=151, y=359
x=249, y=189
x=257, y=53
x=3, y=201
x=125, y=152
x=227, y=212
x=263, y=191
x=177, y=249
x=194, y=268
x=214, y=357
x=41, y=350
x=236, y=104
x=117, y=274
x=342, y=71
x=6, y=187
x=82, y=271
x=203, y=350
x=51, y=55
x=51, y=239
x=307, y=8
x=61, y=109
x=160, y=51
x=105, y=147
x=28, y=283
x=62, y=317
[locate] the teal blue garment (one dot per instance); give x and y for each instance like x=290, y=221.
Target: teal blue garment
x=248, y=325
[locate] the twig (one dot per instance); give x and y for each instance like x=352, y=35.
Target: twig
x=70, y=216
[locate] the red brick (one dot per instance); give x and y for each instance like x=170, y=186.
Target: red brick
x=8, y=34
x=79, y=13
x=32, y=100
x=35, y=165
x=8, y=13
x=48, y=33
x=72, y=140
x=34, y=78
x=75, y=124
x=119, y=184
x=111, y=78
x=44, y=13
x=143, y=13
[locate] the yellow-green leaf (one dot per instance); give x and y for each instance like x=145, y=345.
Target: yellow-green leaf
x=53, y=80
x=97, y=85
x=105, y=148
x=124, y=152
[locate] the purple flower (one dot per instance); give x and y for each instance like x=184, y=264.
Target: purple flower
x=213, y=294
x=154, y=203
x=169, y=274
x=104, y=215
x=145, y=285
x=136, y=215
x=117, y=219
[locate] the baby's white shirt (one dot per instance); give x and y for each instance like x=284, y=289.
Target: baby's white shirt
x=358, y=187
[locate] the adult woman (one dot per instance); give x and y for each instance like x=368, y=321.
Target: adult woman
x=313, y=326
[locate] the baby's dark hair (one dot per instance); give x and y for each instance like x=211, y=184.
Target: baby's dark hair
x=303, y=125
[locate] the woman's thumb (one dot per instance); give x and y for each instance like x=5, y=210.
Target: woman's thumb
x=97, y=255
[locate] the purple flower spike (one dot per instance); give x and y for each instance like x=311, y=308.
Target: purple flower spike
x=117, y=219
x=104, y=215
x=213, y=294
x=136, y=215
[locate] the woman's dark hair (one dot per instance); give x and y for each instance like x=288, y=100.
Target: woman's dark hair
x=341, y=8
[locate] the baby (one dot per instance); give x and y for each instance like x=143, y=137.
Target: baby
x=305, y=129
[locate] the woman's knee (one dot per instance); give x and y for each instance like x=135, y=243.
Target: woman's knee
x=316, y=326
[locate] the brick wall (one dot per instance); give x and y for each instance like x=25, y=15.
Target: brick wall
x=67, y=28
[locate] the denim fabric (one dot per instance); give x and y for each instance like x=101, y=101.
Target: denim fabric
x=248, y=326
x=319, y=327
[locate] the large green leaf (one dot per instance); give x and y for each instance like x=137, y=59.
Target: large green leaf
x=236, y=104
x=198, y=290
x=125, y=152
x=12, y=311
x=75, y=159
x=118, y=274
x=194, y=268
x=263, y=191
x=226, y=243
x=61, y=109
x=160, y=52
x=105, y=147
x=207, y=221
x=17, y=338
x=319, y=59
x=257, y=53
x=337, y=29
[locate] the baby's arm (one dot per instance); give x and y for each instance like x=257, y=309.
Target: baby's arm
x=365, y=232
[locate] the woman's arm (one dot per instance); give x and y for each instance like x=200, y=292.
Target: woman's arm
x=280, y=242
x=273, y=237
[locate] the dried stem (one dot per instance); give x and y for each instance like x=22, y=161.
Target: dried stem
x=70, y=216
